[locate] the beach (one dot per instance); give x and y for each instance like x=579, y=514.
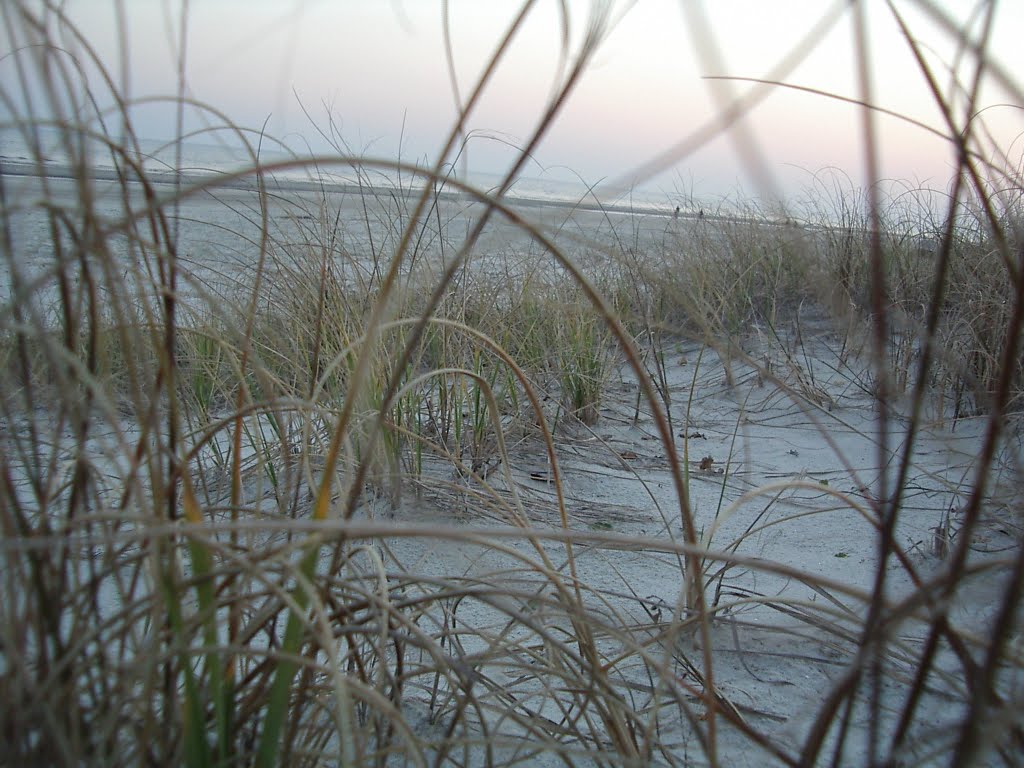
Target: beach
x=775, y=436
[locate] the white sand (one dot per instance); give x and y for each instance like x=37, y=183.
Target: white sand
x=774, y=666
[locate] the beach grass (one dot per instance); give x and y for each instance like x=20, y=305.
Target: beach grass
x=316, y=500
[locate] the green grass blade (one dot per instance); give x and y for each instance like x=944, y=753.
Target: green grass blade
x=202, y=570
x=277, y=700
x=197, y=751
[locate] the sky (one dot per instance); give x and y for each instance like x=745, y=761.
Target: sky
x=376, y=74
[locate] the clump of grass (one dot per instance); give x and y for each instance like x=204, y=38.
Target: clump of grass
x=584, y=360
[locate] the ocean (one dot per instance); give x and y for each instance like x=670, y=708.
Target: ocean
x=193, y=158
x=357, y=211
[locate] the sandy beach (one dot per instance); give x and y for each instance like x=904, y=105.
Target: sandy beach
x=778, y=436
x=676, y=420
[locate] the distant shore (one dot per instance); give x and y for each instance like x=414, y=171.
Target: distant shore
x=14, y=167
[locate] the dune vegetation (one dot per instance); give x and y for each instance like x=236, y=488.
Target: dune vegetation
x=407, y=472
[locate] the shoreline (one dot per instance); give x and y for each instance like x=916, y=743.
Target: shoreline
x=52, y=170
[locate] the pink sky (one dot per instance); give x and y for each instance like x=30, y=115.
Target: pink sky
x=380, y=68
